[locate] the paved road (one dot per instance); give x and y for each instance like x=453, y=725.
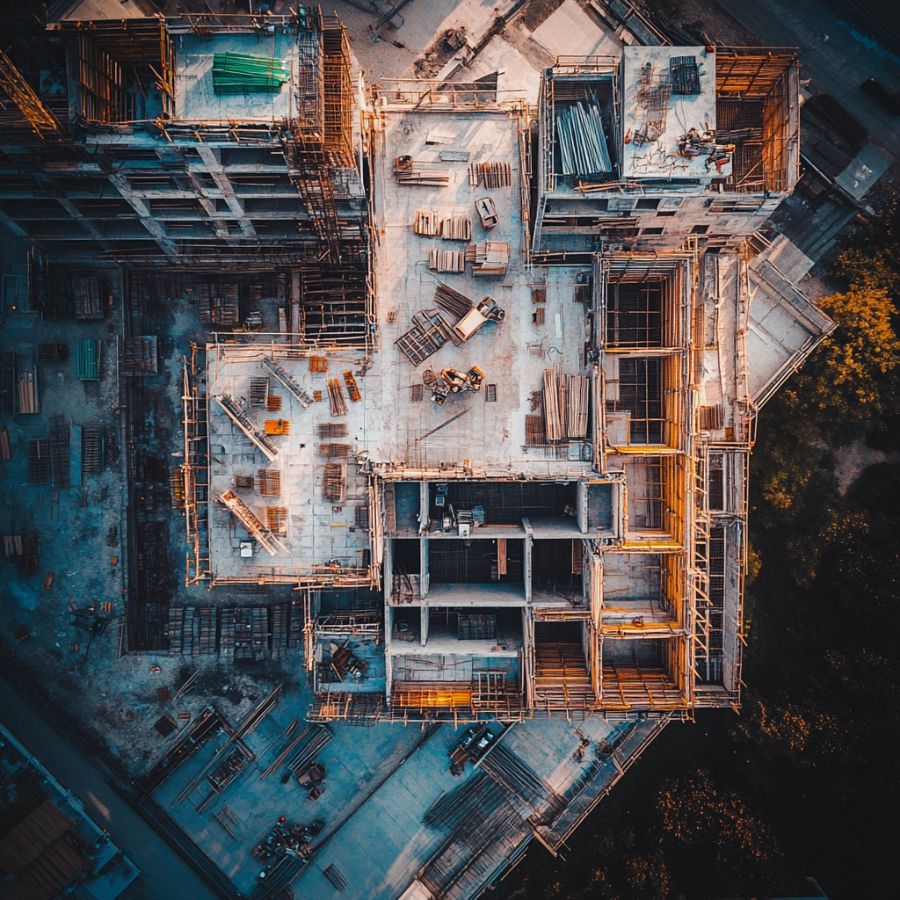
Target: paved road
x=836, y=54
x=165, y=875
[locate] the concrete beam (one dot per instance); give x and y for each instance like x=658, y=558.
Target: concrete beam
x=154, y=228
x=214, y=168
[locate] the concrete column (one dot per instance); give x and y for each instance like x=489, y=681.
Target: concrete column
x=388, y=569
x=526, y=558
x=581, y=502
x=425, y=576
x=423, y=506
x=423, y=624
x=388, y=660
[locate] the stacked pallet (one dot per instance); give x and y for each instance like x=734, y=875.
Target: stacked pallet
x=269, y=482
x=488, y=257
x=336, y=451
x=336, y=397
x=60, y=452
x=259, y=393
x=332, y=429
x=334, y=482
x=455, y=228
x=449, y=226
x=276, y=519
x=490, y=175
x=218, y=304
x=447, y=260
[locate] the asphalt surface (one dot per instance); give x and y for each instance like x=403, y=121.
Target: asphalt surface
x=164, y=874
x=836, y=54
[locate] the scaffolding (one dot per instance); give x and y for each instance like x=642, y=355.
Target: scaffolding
x=757, y=111
x=40, y=119
x=118, y=60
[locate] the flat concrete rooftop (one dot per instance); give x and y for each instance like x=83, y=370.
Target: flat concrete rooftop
x=195, y=98
x=649, y=101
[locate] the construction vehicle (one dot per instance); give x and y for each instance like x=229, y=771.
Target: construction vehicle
x=486, y=310
x=452, y=381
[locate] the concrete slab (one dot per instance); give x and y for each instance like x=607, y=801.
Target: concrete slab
x=649, y=105
x=195, y=98
x=570, y=31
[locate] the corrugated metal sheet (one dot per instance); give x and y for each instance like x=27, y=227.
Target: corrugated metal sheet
x=87, y=360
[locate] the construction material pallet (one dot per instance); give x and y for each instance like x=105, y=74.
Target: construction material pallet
x=429, y=333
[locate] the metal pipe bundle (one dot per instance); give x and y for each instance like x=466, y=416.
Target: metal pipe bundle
x=582, y=138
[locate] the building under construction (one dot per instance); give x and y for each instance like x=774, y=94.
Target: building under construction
x=478, y=388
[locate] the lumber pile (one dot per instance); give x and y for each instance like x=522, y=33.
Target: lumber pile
x=5, y=452
x=26, y=392
x=453, y=301
x=449, y=226
x=488, y=257
x=447, y=260
x=566, y=406
x=409, y=172
x=490, y=174
x=455, y=228
x=427, y=223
